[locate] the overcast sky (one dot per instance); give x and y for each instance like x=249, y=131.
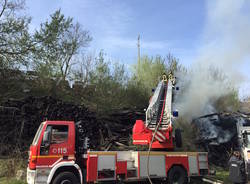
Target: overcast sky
x=179, y=26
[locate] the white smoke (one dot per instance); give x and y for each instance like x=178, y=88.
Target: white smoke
x=216, y=70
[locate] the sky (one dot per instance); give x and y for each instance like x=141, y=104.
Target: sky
x=178, y=27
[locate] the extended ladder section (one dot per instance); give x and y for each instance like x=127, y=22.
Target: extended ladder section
x=160, y=107
x=157, y=130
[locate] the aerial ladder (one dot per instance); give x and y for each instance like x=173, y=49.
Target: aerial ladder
x=157, y=130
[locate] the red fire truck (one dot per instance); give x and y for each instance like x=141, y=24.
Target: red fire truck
x=59, y=154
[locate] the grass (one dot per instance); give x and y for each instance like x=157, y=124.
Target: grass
x=8, y=169
x=222, y=174
x=5, y=180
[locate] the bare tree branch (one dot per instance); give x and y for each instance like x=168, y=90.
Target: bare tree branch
x=4, y=7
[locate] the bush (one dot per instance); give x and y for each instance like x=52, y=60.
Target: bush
x=9, y=167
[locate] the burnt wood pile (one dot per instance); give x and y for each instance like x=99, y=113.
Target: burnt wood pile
x=19, y=120
x=117, y=129
x=217, y=134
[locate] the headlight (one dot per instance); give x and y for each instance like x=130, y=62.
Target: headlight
x=31, y=174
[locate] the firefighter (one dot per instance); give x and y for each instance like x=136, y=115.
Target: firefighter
x=237, y=169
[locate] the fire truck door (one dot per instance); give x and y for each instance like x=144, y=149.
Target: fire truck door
x=57, y=147
x=59, y=144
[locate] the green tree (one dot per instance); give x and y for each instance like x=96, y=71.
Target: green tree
x=15, y=47
x=57, y=43
x=15, y=40
x=81, y=73
x=109, y=81
x=150, y=70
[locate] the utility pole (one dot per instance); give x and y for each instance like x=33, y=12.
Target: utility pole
x=139, y=56
x=138, y=46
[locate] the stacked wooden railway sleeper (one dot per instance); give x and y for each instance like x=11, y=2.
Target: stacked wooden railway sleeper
x=19, y=120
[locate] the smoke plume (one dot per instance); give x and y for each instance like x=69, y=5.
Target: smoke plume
x=216, y=69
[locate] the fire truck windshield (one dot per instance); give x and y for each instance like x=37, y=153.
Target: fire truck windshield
x=38, y=133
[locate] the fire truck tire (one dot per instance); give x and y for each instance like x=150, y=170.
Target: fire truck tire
x=177, y=175
x=178, y=138
x=65, y=178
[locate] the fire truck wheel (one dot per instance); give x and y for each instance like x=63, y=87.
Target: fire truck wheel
x=65, y=178
x=178, y=138
x=177, y=175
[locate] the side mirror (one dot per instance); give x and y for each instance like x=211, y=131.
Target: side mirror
x=241, y=142
x=46, y=137
x=46, y=141
x=178, y=138
x=244, y=136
